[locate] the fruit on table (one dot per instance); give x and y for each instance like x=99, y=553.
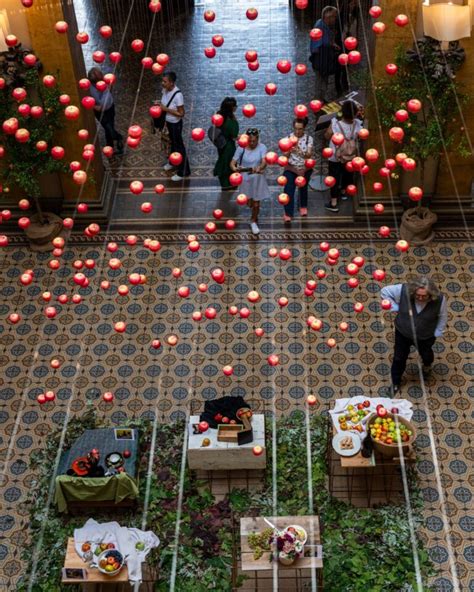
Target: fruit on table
x=206, y=442
x=141, y=546
x=86, y=547
x=386, y=430
x=381, y=411
x=110, y=546
x=203, y=426
x=109, y=567
x=103, y=563
x=218, y=417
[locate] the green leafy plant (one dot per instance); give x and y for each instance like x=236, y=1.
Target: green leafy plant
x=23, y=163
x=427, y=75
x=364, y=549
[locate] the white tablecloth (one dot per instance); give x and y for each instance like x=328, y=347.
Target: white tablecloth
x=340, y=408
x=124, y=540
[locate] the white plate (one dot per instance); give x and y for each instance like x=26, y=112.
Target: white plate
x=336, y=444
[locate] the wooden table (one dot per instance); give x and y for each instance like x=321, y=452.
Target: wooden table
x=221, y=456
x=291, y=574
x=98, y=582
x=94, y=576
x=377, y=472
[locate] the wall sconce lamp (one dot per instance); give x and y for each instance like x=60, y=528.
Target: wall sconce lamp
x=4, y=29
x=447, y=21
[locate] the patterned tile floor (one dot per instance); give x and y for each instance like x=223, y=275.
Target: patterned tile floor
x=164, y=382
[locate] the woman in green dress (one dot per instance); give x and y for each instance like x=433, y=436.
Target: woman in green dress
x=230, y=129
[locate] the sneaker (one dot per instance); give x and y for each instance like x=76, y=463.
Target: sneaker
x=176, y=178
x=344, y=197
x=254, y=228
x=286, y=218
x=395, y=389
x=168, y=167
x=331, y=208
x=303, y=212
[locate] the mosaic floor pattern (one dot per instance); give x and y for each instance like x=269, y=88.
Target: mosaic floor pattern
x=165, y=381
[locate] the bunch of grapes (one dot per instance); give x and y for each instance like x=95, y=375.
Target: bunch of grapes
x=259, y=542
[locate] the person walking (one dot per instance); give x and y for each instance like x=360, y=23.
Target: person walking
x=172, y=103
x=324, y=51
x=349, y=126
x=422, y=315
x=104, y=110
x=230, y=131
x=250, y=161
x=346, y=26
x=296, y=167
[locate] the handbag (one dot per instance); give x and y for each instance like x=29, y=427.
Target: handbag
x=159, y=122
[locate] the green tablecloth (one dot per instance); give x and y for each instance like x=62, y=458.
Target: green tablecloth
x=113, y=489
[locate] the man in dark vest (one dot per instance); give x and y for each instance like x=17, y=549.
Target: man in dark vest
x=422, y=316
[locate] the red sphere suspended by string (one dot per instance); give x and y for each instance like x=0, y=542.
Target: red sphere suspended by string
x=401, y=20
x=251, y=14
x=240, y=84
x=284, y=66
x=155, y=6
x=271, y=88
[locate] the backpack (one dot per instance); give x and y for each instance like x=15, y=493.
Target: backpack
x=348, y=149
x=216, y=136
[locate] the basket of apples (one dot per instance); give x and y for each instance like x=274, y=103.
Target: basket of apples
x=110, y=562
x=389, y=431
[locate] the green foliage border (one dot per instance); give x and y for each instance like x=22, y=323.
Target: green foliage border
x=364, y=549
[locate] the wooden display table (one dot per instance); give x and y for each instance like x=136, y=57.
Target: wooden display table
x=94, y=576
x=97, y=581
x=365, y=480
x=221, y=456
x=292, y=577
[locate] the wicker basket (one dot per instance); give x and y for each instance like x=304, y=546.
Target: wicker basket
x=392, y=450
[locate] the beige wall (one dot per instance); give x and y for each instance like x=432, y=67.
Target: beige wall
x=56, y=55
x=17, y=20
x=462, y=169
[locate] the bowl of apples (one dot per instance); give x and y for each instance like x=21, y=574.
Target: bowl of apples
x=389, y=432
x=110, y=562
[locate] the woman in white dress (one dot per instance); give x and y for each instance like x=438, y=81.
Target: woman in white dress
x=251, y=162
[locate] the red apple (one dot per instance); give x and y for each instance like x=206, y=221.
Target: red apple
x=203, y=426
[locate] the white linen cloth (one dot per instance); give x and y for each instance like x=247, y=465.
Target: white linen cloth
x=124, y=540
x=340, y=408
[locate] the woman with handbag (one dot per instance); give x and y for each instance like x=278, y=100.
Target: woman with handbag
x=172, y=104
x=296, y=167
x=349, y=126
x=230, y=131
x=250, y=161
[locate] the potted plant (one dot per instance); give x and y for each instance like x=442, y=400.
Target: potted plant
x=427, y=74
x=30, y=112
